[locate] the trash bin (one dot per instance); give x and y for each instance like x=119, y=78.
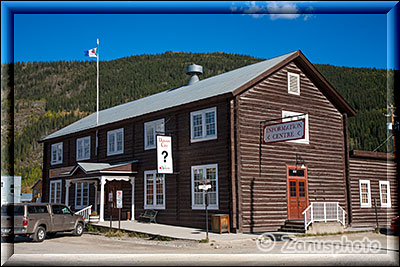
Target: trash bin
x=220, y=223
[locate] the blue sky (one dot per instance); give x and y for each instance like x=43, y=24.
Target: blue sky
x=356, y=40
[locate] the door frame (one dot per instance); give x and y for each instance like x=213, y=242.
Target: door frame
x=299, y=178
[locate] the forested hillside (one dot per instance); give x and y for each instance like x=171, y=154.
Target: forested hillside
x=51, y=95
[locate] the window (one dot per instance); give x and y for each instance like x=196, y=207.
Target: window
x=151, y=130
x=83, y=148
x=365, y=194
x=56, y=153
x=203, y=124
x=154, y=190
x=285, y=114
x=384, y=189
x=200, y=173
x=55, y=191
x=293, y=83
x=81, y=195
x=37, y=209
x=115, y=142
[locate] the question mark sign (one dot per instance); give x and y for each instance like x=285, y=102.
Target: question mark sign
x=165, y=153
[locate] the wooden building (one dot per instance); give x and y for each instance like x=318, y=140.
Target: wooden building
x=216, y=129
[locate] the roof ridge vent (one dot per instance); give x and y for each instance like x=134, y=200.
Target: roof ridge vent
x=194, y=70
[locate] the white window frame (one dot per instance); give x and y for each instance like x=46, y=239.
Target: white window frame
x=82, y=140
x=204, y=136
x=59, y=152
x=83, y=205
x=154, y=124
x=154, y=206
x=306, y=139
x=365, y=205
x=389, y=202
x=53, y=196
x=203, y=206
x=115, y=132
x=298, y=83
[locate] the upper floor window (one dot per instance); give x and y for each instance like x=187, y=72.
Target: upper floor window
x=292, y=116
x=203, y=124
x=199, y=174
x=365, y=194
x=293, y=83
x=384, y=189
x=115, y=142
x=151, y=129
x=57, y=153
x=83, y=148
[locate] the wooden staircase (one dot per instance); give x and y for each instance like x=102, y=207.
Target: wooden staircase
x=295, y=226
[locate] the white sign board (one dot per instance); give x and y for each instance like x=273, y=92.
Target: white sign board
x=119, y=199
x=284, y=131
x=164, y=154
x=204, y=187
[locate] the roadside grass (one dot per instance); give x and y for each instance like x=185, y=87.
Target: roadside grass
x=337, y=233
x=106, y=232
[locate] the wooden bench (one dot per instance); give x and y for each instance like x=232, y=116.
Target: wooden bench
x=149, y=215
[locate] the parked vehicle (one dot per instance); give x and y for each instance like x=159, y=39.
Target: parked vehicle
x=395, y=224
x=36, y=220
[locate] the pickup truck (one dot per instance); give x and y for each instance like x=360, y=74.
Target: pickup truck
x=38, y=219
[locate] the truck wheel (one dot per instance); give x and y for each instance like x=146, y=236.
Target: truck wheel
x=78, y=230
x=40, y=234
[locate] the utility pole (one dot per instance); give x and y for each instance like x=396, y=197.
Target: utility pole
x=391, y=109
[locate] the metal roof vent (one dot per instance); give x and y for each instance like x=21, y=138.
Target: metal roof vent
x=194, y=70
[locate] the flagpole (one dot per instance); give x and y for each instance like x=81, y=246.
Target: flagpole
x=97, y=54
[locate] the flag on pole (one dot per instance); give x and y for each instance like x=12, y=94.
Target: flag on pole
x=91, y=53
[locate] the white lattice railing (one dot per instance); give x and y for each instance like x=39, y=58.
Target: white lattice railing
x=85, y=212
x=324, y=212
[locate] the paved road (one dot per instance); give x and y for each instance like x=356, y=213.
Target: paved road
x=101, y=250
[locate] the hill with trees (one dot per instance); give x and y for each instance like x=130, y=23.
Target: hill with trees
x=51, y=95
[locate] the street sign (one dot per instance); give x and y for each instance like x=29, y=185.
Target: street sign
x=164, y=154
x=284, y=131
x=110, y=197
x=119, y=199
x=204, y=187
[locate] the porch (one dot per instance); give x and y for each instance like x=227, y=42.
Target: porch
x=96, y=184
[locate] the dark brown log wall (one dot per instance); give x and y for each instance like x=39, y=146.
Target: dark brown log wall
x=374, y=170
x=264, y=188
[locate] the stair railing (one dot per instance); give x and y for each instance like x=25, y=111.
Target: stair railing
x=324, y=212
x=85, y=212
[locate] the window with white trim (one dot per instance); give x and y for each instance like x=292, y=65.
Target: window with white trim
x=286, y=114
x=83, y=148
x=55, y=191
x=57, y=153
x=200, y=173
x=154, y=190
x=384, y=190
x=115, y=142
x=81, y=195
x=293, y=83
x=151, y=130
x=365, y=194
x=203, y=124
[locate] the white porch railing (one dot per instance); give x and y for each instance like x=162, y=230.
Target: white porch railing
x=85, y=212
x=324, y=212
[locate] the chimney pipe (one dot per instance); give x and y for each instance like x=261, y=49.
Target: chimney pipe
x=194, y=70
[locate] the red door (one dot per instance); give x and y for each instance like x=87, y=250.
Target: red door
x=297, y=195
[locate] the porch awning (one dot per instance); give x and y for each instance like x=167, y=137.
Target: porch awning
x=104, y=168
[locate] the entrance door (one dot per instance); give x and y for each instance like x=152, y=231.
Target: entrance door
x=297, y=193
x=113, y=187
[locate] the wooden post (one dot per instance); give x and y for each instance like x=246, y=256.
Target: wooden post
x=119, y=219
x=376, y=214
